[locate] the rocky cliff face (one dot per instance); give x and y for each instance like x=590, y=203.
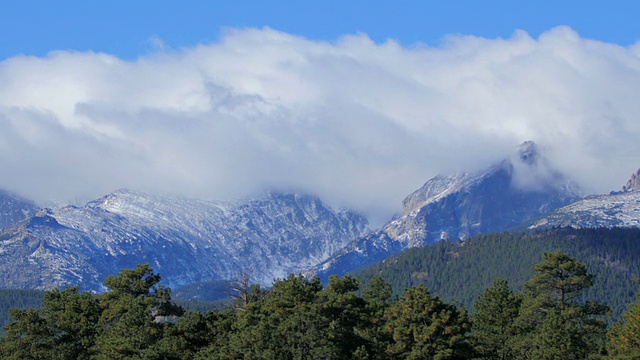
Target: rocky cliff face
x=463, y=205
x=185, y=240
x=14, y=208
x=633, y=184
x=458, y=206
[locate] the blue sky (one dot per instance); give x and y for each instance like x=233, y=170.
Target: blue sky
x=125, y=28
x=337, y=98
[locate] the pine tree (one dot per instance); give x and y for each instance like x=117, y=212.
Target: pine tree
x=135, y=310
x=554, y=291
x=424, y=327
x=624, y=336
x=494, y=323
x=376, y=296
x=64, y=328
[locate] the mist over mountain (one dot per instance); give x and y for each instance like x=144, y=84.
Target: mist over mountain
x=459, y=206
x=14, y=208
x=196, y=241
x=360, y=124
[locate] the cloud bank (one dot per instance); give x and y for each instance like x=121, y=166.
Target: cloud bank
x=361, y=124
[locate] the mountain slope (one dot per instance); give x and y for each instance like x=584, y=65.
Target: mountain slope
x=460, y=271
x=185, y=240
x=14, y=208
x=463, y=205
x=618, y=209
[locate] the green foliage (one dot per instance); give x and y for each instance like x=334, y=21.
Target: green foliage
x=293, y=322
x=376, y=296
x=557, y=339
x=17, y=299
x=559, y=280
x=554, y=323
x=299, y=318
x=424, y=327
x=624, y=336
x=460, y=271
x=494, y=324
x=133, y=315
x=64, y=328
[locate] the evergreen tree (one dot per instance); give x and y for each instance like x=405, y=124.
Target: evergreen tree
x=494, y=323
x=551, y=314
x=64, y=328
x=424, y=327
x=221, y=326
x=343, y=312
x=558, y=340
x=134, y=316
x=376, y=296
x=285, y=325
x=624, y=336
x=17, y=299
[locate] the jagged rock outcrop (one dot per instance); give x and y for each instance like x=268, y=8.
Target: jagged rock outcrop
x=458, y=206
x=185, y=240
x=633, y=184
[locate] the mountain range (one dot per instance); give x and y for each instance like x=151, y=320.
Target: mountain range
x=185, y=240
x=192, y=241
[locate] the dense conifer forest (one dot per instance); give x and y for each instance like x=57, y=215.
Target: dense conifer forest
x=19, y=299
x=550, y=316
x=460, y=271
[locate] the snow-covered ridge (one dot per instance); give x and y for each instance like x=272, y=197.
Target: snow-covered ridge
x=185, y=240
x=618, y=209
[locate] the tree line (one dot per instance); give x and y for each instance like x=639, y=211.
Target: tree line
x=300, y=318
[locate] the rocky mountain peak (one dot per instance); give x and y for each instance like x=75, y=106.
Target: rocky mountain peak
x=528, y=153
x=526, y=168
x=521, y=187
x=633, y=184
x=43, y=217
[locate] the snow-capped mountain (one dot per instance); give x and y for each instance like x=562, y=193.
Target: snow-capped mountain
x=618, y=209
x=458, y=206
x=185, y=240
x=14, y=208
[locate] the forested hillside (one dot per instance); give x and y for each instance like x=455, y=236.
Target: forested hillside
x=299, y=318
x=460, y=271
x=18, y=299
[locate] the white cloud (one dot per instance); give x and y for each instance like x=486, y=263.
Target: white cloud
x=359, y=123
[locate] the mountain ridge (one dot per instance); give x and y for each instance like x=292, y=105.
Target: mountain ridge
x=187, y=240
x=616, y=209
